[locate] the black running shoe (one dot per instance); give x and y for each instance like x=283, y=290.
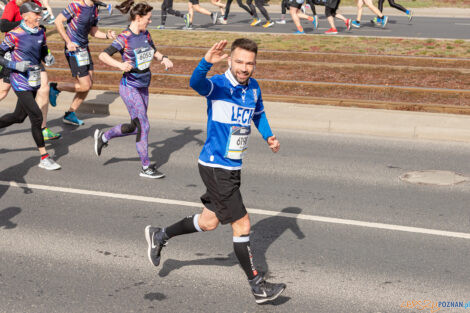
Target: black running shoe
x=99, y=144
x=264, y=291
x=151, y=172
x=156, y=242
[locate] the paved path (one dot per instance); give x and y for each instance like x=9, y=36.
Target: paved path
x=69, y=250
x=421, y=26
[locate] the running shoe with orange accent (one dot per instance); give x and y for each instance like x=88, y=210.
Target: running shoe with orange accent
x=255, y=22
x=331, y=31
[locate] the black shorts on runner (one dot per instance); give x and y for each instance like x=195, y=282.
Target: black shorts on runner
x=194, y=2
x=80, y=71
x=295, y=3
x=223, y=195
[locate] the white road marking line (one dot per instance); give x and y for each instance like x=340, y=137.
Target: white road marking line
x=464, y=24
x=306, y=217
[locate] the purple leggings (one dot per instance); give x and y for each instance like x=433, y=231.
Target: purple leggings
x=136, y=100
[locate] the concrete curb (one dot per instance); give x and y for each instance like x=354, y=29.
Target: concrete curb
x=291, y=116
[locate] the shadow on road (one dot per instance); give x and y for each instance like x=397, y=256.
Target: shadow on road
x=6, y=215
x=264, y=234
x=162, y=150
x=17, y=173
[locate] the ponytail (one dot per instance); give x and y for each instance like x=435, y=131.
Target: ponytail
x=140, y=9
x=125, y=6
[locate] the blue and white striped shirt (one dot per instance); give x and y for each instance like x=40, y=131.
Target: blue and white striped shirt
x=230, y=109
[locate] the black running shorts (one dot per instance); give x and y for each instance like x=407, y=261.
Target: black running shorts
x=194, y=2
x=80, y=71
x=295, y=3
x=223, y=195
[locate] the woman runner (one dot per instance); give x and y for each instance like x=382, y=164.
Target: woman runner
x=137, y=50
x=393, y=4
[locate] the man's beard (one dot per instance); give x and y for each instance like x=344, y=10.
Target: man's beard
x=236, y=78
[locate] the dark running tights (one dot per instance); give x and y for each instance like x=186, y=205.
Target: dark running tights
x=260, y=6
x=240, y=4
x=312, y=6
x=167, y=7
x=285, y=6
x=26, y=106
x=392, y=4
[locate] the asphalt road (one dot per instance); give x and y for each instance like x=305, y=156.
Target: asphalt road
x=72, y=251
x=398, y=26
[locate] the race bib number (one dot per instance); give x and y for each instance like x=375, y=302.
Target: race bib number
x=143, y=57
x=82, y=56
x=237, y=142
x=34, y=77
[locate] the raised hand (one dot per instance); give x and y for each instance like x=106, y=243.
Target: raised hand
x=216, y=53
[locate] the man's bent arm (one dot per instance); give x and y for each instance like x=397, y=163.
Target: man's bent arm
x=261, y=122
x=199, y=81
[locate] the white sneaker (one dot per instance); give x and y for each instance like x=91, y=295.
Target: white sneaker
x=151, y=172
x=281, y=22
x=214, y=18
x=45, y=16
x=222, y=20
x=49, y=164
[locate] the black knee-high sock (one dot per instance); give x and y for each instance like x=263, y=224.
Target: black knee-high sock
x=241, y=246
x=187, y=225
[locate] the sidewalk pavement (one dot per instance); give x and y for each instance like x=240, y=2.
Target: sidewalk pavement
x=276, y=8
x=291, y=116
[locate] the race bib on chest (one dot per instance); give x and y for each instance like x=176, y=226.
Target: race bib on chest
x=34, y=77
x=143, y=57
x=237, y=142
x=82, y=56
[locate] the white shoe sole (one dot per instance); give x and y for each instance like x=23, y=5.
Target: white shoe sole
x=148, y=176
x=97, y=133
x=149, y=243
x=71, y=123
x=259, y=301
x=56, y=167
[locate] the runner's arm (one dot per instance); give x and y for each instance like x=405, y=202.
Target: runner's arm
x=8, y=44
x=106, y=57
x=199, y=81
x=95, y=32
x=6, y=25
x=261, y=122
x=59, y=23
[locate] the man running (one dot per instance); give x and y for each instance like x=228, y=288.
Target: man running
x=233, y=101
x=260, y=5
x=27, y=46
x=81, y=17
x=223, y=19
x=331, y=9
x=297, y=14
x=137, y=50
x=10, y=19
x=193, y=5
x=167, y=8
x=360, y=3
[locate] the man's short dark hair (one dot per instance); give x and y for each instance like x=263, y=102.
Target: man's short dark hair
x=245, y=44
